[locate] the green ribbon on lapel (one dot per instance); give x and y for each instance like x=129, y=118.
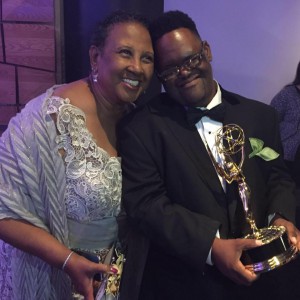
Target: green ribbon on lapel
x=258, y=148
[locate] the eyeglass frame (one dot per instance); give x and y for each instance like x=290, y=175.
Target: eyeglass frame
x=186, y=65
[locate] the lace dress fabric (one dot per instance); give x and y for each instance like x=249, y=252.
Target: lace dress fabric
x=93, y=180
x=94, y=183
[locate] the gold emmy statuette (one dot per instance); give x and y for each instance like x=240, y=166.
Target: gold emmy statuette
x=276, y=249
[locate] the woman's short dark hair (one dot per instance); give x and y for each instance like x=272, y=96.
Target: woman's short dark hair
x=170, y=21
x=102, y=29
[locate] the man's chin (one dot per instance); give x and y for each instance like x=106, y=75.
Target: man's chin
x=194, y=100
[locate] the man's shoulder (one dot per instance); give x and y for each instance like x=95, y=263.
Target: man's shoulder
x=159, y=102
x=154, y=106
x=235, y=99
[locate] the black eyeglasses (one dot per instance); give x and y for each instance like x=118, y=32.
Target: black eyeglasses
x=189, y=64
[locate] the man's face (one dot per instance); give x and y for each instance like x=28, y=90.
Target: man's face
x=191, y=86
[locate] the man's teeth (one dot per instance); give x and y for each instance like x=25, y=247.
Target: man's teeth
x=131, y=82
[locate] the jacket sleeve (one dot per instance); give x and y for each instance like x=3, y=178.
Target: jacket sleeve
x=176, y=229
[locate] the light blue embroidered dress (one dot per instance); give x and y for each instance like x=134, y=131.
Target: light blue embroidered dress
x=54, y=176
x=93, y=182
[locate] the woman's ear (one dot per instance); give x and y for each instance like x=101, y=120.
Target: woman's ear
x=93, y=53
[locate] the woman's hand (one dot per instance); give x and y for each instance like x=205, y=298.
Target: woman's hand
x=82, y=272
x=41, y=243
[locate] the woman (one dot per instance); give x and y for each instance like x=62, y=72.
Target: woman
x=287, y=103
x=60, y=177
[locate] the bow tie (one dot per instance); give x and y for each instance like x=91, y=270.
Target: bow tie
x=194, y=114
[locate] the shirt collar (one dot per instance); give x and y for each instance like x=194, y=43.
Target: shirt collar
x=217, y=99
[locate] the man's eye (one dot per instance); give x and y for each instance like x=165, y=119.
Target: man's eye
x=170, y=71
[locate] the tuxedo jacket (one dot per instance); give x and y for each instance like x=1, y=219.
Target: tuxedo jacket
x=172, y=195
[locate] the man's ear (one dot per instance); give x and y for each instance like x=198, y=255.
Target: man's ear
x=207, y=52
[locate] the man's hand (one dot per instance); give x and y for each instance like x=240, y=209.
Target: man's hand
x=292, y=232
x=226, y=256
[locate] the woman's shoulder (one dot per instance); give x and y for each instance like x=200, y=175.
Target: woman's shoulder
x=286, y=91
x=285, y=96
x=69, y=88
x=77, y=92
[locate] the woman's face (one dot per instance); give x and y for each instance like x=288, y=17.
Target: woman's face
x=125, y=64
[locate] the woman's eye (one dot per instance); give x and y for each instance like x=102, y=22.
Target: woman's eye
x=148, y=59
x=125, y=52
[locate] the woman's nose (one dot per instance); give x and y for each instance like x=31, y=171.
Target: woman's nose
x=135, y=66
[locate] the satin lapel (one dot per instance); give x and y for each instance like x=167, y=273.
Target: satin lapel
x=191, y=143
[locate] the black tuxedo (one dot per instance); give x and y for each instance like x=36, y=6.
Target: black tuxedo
x=175, y=202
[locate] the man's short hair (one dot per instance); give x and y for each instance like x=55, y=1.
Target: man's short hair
x=170, y=21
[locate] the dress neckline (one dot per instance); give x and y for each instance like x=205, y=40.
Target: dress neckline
x=66, y=101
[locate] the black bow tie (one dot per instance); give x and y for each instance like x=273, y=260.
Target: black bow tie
x=194, y=114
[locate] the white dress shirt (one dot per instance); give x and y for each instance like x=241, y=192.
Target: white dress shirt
x=207, y=129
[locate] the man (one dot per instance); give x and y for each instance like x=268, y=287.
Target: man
x=186, y=223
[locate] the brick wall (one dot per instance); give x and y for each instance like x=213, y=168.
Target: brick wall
x=30, y=54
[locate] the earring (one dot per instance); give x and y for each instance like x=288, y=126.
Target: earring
x=94, y=75
x=133, y=105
